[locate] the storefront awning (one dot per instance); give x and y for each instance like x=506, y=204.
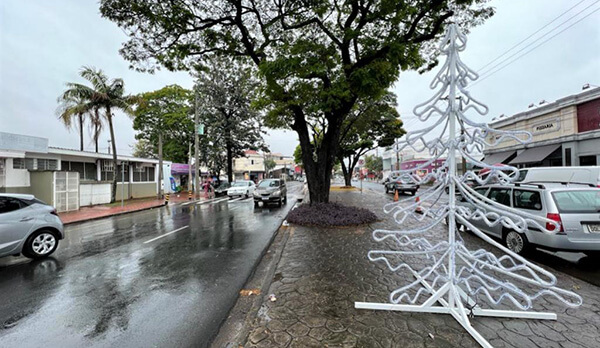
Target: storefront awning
x=498, y=157
x=535, y=154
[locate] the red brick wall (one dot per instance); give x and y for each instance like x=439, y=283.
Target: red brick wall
x=588, y=116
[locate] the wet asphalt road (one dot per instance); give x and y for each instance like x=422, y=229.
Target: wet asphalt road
x=577, y=265
x=165, y=277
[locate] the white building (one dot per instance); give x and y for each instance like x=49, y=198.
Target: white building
x=68, y=179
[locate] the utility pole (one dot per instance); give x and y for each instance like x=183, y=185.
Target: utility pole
x=196, y=143
x=190, y=168
x=160, y=165
x=109, y=146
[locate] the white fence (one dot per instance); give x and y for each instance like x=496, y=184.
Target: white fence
x=92, y=194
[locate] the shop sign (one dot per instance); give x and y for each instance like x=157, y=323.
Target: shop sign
x=546, y=126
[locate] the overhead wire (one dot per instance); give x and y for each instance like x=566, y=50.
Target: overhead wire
x=485, y=76
x=525, y=39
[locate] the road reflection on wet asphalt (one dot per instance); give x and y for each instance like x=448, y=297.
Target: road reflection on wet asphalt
x=162, y=277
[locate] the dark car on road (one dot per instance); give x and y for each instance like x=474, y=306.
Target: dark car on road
x=221, y=190
x=401, y=185
x=270, y=191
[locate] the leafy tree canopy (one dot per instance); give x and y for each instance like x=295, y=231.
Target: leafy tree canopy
x=166, y=111
x=316, y=59
x=225, y=94
x=374, y=163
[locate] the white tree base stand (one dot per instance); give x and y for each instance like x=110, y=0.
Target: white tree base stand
x=456, y=309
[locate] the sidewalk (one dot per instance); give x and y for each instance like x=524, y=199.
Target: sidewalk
x=322, y=272
x=105, y=210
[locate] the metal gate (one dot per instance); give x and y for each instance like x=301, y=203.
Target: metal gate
x=66, y=191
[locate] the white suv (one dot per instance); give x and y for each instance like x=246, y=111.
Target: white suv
x=575, y=207
x=28, y=226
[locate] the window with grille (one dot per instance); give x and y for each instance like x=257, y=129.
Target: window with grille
x=35, y=164
x=143, y=174
x=18, y=163
x=107, y=170
x=87, y=171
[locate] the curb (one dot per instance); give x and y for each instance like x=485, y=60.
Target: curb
x=124, y=212
x=234, y=329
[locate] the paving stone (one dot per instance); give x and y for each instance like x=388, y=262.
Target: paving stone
x=340, y=339
x=282, y=338
x=305, y=342
x=319, y=333
x=322, y=272
x=313, y=321
x=258, y=334
x=335, y=325
x=298, y=329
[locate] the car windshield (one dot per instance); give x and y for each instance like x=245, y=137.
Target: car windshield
x=224, y=185
x=580, y=201
x=269, y=183
x=239, y=184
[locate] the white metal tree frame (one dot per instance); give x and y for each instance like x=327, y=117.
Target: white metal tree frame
x=453, y=279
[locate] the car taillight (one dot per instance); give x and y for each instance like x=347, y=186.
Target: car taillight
x=555, y=218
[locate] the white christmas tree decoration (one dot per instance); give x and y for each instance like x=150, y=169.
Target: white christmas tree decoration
x=449, y=278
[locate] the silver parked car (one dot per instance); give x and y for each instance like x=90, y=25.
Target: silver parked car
x=28, y=226
x=270, y=191
x=575, y=207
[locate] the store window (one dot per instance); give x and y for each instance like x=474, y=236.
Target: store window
x=587, y=161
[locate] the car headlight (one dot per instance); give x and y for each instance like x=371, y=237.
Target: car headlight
x=277, y=193
x=256, y=194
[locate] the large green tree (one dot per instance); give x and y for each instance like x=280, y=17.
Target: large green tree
x=316, y=58
x=166, y=113
x=372, y=124
x=103, y=96
x=224, y=92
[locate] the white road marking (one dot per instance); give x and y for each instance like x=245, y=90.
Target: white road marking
x=188, y=203
x=166, y=234
x=214, y=200
x=237, y=199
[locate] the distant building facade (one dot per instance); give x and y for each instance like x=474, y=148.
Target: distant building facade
x=565, y=132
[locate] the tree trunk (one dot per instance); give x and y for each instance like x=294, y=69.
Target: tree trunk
x=229, y=164
x=160, y=165
x=347, y=174
x=80, y=115
x=318, y=173
x=113, y=193
x=96, y=128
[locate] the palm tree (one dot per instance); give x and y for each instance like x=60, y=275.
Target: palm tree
x=69, y=108
x=104, y=95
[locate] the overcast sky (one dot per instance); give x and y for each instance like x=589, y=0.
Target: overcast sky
x=43, y=44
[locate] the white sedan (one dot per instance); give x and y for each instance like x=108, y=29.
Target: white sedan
x=241, y=188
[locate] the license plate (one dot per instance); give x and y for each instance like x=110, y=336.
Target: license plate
x=265, y=198
x=594, y=228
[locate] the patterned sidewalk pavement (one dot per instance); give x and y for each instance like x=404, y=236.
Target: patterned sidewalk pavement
x=101, y=211
x=322, y=272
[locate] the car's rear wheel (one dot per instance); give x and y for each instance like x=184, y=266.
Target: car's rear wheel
x=516, y=242
x=247, y=194
x=41, y=243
